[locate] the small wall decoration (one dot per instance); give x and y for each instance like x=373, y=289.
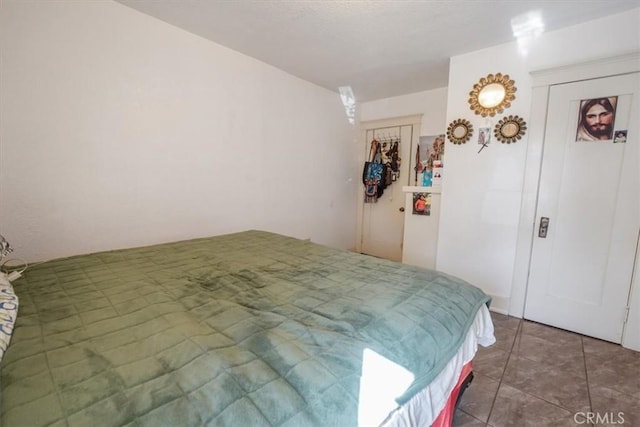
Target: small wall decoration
x=422, y=204
x=492, y=94
x=621, y=136
x=437, y=173
x=510, y=129
x=484, y=137
x=459, y=131
x=596, y=118
x=431, y=148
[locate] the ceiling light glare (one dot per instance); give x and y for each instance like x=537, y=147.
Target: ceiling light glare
x=349, y=102
x=527, y=27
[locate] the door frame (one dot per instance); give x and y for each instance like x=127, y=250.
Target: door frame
x=414, y=120
x=541, y=81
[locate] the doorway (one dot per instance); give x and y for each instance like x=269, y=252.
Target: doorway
x=381, y=223
x=587, y=219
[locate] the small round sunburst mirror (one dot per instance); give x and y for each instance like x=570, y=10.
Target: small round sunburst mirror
x=459, y=131
x=492, y=94
x=510, y=129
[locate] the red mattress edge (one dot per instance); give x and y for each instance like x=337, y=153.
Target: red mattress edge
x=445, y=418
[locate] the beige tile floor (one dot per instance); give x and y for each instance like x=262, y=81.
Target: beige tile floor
x=536, y=375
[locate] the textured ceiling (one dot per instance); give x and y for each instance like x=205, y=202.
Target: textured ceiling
x=379, y=48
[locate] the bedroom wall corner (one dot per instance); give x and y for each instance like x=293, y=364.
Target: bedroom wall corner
x=119, y=130
x=499, y=304
x=486, y=208
x=430, y=105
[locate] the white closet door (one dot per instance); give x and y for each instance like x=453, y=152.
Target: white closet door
x=581, y=272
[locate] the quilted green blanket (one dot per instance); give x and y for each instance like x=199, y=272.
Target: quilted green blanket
x=246, y=329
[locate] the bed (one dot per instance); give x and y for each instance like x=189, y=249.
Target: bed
x=245, y=329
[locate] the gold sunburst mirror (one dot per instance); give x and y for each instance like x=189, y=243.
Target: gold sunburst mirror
x=459, y=131
x=492, y=94
x=510, y=129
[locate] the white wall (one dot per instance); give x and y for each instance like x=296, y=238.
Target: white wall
x=431, y=103
x=119, y=130
x=483, y=193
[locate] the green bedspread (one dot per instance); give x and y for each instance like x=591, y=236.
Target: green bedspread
x=251, y=328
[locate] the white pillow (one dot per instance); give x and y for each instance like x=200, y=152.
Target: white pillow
x=8, y=314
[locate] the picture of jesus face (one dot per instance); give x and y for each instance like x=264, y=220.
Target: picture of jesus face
x=599, y=121
x=596, y=119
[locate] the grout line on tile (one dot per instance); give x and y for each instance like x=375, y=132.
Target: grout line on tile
x=586, y=375
x=536, y=396
x=495, y=397
x=475, y=418
x=547, y=401
x=518, y=333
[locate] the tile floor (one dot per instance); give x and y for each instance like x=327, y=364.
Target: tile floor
x=537, y=375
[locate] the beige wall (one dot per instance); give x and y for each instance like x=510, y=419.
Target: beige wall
x=118, y=130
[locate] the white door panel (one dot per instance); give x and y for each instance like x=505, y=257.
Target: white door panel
x=580, y=274
x=383, y=221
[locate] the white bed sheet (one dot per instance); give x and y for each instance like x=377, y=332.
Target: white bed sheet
x=8, y=313
x=424, y=407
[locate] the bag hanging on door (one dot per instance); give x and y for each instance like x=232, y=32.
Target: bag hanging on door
x=374, y=174
x=372, y=177
x=388, y=175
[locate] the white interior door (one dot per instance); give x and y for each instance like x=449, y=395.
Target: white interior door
x=580, y=273
x=383, y=221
